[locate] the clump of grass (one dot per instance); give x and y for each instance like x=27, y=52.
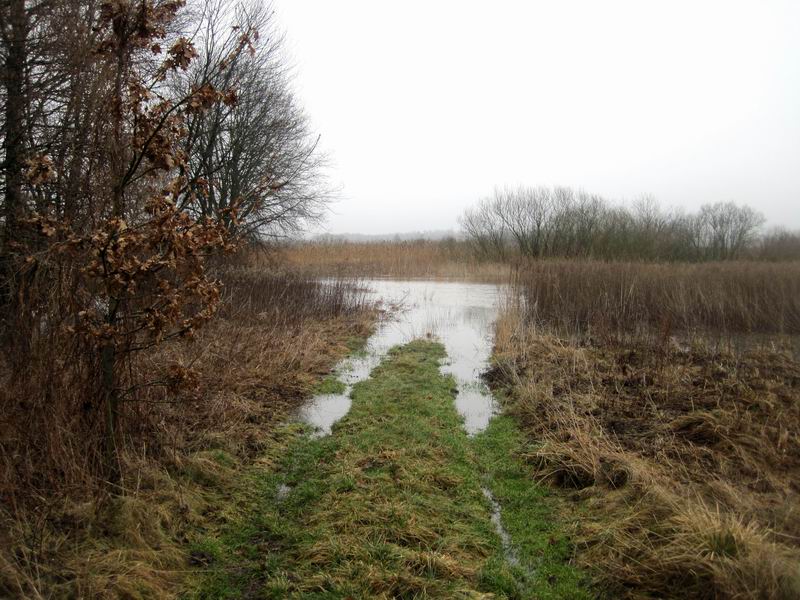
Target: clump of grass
x=390, y=505
x=682, y=462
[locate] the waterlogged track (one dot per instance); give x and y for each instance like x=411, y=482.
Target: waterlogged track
x=458, y=314
x=392, y=505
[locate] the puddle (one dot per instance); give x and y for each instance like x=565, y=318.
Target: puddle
x=458, y=314
x=283, y=492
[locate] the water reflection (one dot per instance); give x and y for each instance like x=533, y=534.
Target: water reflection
x=458, y=314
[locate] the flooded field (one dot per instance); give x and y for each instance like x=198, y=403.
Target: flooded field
x=458, y=314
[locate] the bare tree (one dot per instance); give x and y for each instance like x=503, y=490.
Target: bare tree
x=724, y=230
x=258, y=152
x=485, y=229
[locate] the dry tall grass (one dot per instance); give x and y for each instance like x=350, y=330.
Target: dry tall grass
x=619, y=298
x=447, y=259
x=683, y=459
x=61, y=537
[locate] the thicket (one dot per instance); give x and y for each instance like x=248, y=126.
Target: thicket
x=562, y=222
x=142, y=140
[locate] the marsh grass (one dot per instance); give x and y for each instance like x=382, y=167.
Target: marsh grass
x=681, y=461
x=634, y=300
x=448, y=259
x=389, y=506
x=663, y=400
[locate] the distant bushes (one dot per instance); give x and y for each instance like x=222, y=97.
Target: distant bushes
x=562, y=222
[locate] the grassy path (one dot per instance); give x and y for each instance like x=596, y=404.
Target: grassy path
x=391, y=505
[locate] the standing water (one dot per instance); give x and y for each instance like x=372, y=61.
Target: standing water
x=461, y=316
x=458, y=314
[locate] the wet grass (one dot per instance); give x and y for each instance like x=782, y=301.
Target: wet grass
x=390, y=505
x=330, y=385
x=529, y=514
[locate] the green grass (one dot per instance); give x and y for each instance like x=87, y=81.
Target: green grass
x=390, y=505
x=357, y=345
x=529, y=513
x=330, y=385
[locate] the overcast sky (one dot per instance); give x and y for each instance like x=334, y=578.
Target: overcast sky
x=425, y=105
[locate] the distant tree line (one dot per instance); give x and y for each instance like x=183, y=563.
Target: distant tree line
x=563, y=222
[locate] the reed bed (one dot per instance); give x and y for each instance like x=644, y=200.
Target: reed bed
x=631, y=299
x=287, y=297
x=421, y=259
x=679, y=455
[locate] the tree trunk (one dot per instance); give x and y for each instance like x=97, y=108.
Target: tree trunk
x=15, y=105
x=111, y=413
x=108, y=351
x=14, y=134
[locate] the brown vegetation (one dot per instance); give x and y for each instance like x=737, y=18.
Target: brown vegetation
x=619, y=299
x=681, y=454
x=181, y=446
x=142, y=142
x=127, y=167
x=448, y=259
